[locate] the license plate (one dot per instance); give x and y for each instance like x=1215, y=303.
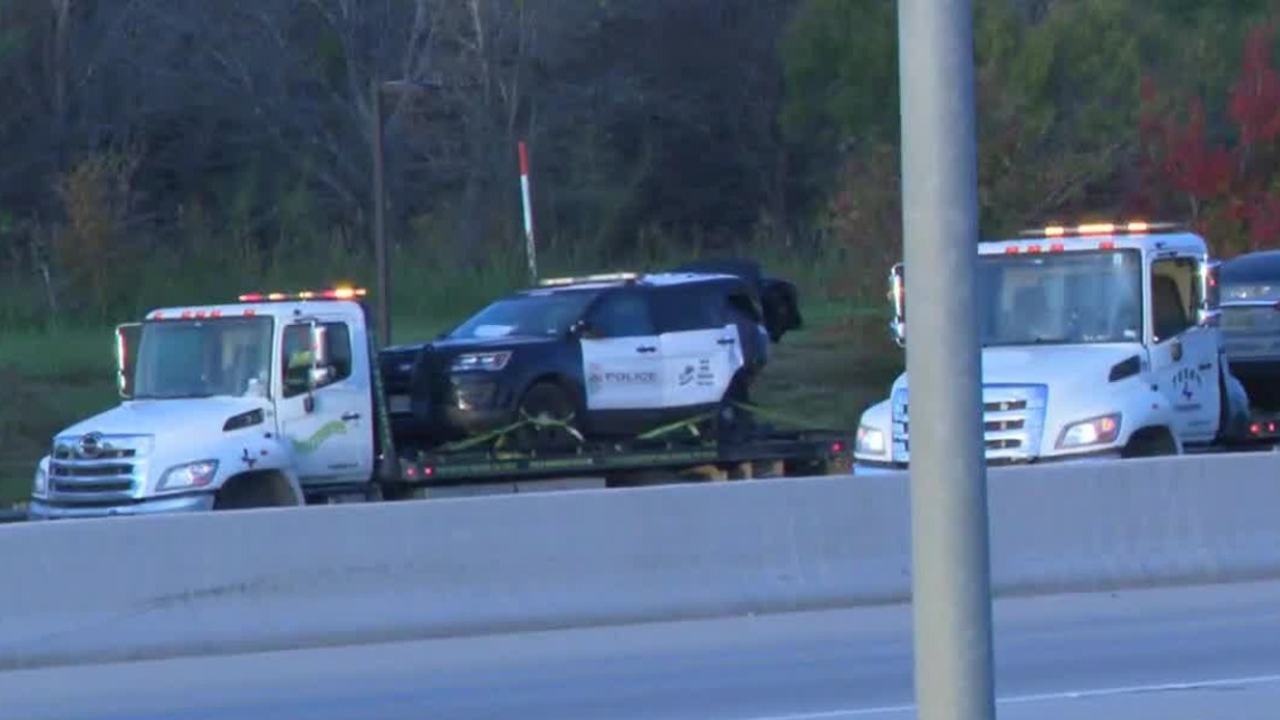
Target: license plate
x=399, y=404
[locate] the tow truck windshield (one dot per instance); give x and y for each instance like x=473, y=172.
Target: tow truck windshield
x=203, y=358
x=537, y=313
x=1060, y=298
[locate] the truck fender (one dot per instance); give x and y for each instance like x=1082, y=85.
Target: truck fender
x=1152, y=431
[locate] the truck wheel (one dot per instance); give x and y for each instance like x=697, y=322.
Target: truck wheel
x=254, y=490
x=551, y=401
x=1150, y=442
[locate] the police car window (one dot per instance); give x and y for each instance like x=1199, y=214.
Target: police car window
x=539, y=313
x=683, y=308
x=622, y=314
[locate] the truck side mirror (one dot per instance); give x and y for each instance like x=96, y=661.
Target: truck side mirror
x=1210, y=293
x=127, y=336
x=319, y=346
x=898, y=296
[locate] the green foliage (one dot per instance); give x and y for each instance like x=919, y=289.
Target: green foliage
x=837, y=87
x=1057, y=96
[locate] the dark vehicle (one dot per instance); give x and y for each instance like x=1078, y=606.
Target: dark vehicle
x=1249, y=299
x=603, y=356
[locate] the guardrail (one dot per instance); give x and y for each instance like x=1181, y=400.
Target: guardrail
x=129, y=588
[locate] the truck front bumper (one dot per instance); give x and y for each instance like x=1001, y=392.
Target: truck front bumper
x=45, y=510
x=868, y=468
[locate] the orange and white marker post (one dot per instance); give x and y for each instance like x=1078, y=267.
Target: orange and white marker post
x=529, y=249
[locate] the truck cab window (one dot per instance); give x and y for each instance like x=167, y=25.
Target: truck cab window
x=296, y=347
x=624, y=313
x=227, y=357
x=1173, y=296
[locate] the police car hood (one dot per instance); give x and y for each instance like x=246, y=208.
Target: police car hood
x=453, y=346
x=200, y=419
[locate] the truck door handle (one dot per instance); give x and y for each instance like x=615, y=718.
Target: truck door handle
x=646, y=349
x=1206, y=366
x=351, y=416
x=725, y=341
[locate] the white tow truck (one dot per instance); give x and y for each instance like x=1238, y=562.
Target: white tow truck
x=278, y=400
x=1099, y=340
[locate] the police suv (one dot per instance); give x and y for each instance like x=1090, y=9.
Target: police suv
x=606, y=355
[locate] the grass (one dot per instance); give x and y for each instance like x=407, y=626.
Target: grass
x=826, y=373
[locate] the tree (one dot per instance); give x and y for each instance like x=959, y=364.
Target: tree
x=1228, y=181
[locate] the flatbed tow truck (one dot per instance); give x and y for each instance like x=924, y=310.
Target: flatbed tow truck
x=277, y=400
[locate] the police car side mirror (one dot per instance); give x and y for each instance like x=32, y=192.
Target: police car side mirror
x=583, y=330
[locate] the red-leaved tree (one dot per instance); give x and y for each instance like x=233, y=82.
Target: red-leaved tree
x=1232, y=190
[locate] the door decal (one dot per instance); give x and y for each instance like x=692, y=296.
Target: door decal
x=1188, y=382
x=318, y=438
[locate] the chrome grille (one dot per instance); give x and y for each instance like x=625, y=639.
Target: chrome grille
x=96, y=468
x=1013, y=423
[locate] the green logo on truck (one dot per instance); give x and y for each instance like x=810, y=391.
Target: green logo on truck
x=319, y=437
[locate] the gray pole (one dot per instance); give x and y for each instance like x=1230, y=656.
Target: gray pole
x=951, y=573
x=379, y=227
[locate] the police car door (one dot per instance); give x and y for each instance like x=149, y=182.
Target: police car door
x=622, y=364
x=1184, y=354
x=328, y=425
x=702, y=348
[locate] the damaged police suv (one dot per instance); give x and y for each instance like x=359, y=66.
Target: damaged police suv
x=612, y=355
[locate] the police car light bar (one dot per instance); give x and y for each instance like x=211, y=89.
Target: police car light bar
x=603, y=277
x=341, y=293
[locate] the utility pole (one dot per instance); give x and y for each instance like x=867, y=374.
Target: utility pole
x=951, y=592
x=380, y=249
x=379, y=224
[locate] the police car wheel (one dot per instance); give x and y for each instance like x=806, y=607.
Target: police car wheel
x=550, y=401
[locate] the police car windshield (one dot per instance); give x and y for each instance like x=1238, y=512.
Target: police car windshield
x=537, y=313
x=203, y=358
x=1060, y=298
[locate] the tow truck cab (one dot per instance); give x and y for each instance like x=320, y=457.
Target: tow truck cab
x=257, y=403
x=1099, y=340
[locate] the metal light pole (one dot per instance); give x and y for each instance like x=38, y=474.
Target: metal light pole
x=381, y=252
x=951, y=565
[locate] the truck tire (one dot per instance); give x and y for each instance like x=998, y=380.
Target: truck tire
x=1151, y=442
x=546, y=399
x=255, y=490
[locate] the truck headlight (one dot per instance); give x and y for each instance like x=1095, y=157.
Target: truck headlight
x=1095, y=431
x=870, y=441
x=491, y=361
x=189, y=476
x=40, y=484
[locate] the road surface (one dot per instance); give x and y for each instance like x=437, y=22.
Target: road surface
x=1173, y=654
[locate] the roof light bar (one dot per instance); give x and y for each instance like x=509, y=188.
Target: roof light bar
x=602, y=277
x=1133, y=227
x=341, y=293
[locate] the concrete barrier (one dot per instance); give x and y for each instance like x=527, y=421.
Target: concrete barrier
x=130, y=588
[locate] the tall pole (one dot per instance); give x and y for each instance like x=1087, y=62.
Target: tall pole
x=379, y=226
x=951, y=563
x=530, y=250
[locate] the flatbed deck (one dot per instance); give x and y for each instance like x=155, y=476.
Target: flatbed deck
x=807, y=451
